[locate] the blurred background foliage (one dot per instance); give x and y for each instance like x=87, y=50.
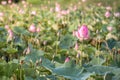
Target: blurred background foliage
x=114, y=3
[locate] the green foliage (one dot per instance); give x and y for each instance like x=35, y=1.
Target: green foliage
x=54, y=52
x=67, y=41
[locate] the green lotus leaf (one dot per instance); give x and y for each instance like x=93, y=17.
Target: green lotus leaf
x=34, y=55
x=68, y=70
x=67, y=41
x=20, y=30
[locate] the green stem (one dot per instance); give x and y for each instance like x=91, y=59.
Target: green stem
x=81, y=53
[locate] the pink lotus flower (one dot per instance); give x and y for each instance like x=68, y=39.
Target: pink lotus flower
x=67, y=59
x=82, y=33
x=109, y=28
x=32, y=28
x=107, y=14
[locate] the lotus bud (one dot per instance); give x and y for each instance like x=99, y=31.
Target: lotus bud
x=109, y=28
x=58, y=33
x=7, y=27
x=28, y=50
x=10, y=34
x=33, y=13
x=40, y=60
x=76, y=46
x=107, y=14
x=44, y=43
x=57, y=7
x=73, y=33
x=1, y=14
x=78, y=55
x=21, y=11
x=32, y=28
x=38, y=30
x=67, y=59
x=37, y=62
x=82, y=33
x=21, y=62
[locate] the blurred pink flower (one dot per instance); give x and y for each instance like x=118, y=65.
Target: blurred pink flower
x=23, y=1
x=108, y=8
x=99, y=4
x=9, y=1
x=67, y=59
x=7, y=27
x=32, y=28
x=10, y=34
x=51, y=9
x=65, y=12
x=59, y=15
x=1, y=14
x=25, y=5
x=38, y=29
x=21, y=11
x=73, y=33
x=76, y=46
x=57, y=7
x=117, y=14
x=82, y=33
x=74, y=8
x=107, y=14
x=110, y=28
x=33, y=13
x=84, y=0
x=3, y=2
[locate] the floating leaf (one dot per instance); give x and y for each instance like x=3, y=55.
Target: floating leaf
x=34, y=55
x=68, y=70
x=111, y=44
x=96, y=61
x=10, y=50
x=67, y=41
x=101, y=70
x=20, y=30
